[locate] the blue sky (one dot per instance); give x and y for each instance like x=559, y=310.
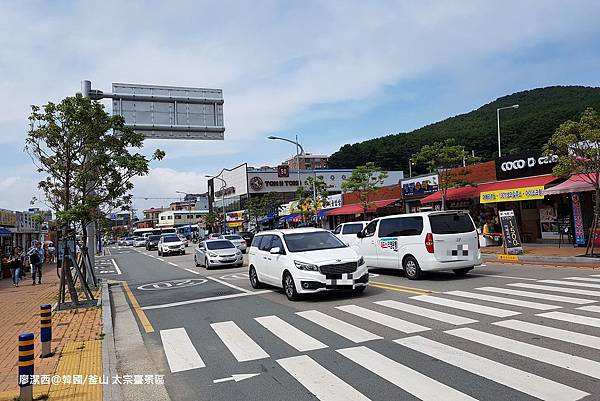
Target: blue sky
x=334, y=72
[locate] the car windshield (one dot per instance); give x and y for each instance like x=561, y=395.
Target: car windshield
x=154, y=237
x=312, y=241
x=171, y=238
x=233, y=237
x=451, y=223
x=212, y=245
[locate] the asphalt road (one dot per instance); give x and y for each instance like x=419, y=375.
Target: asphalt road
x=501, y=333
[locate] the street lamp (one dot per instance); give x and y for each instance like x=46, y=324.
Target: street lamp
x=222, y=199
x=514, y=106
x=410, y=164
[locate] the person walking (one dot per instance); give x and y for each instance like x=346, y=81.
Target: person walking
x=51, y=252
x=15, y=261
x=36, y=260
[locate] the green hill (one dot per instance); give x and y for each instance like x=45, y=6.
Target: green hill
x=540, y=112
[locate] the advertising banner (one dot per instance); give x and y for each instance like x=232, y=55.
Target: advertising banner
x=524, y=165
x=579, y=230
x=510, y=232
x=513, y=194
x=424, y=185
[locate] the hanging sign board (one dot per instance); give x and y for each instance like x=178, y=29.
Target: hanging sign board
x=512, y=195
x=510, y=232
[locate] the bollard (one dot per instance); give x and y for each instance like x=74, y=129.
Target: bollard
x=46, y=330
x=26, y=366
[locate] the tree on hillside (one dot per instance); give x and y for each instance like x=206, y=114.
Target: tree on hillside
x=312, y=196
x=577, y=145
x=443, y=158
x=86, y=166
x=365, y=180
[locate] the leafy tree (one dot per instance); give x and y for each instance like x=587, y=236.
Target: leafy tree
x=365, y=180
x=259, y=206
x=85, y=155
x=577, y=146
x=214, y=220
x=308, y=204
x=443, y=158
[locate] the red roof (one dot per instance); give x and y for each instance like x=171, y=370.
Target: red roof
x=473, y=192
x=358, y=209
x=575, y=183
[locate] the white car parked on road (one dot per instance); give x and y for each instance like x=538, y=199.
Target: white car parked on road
x=237, y=240
x=418, y=242
x=216, y=253
x=305, y=260
x=139, y=241
x=347, y=231
x=170, y=244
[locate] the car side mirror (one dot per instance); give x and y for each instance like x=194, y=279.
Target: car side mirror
x=360, y=234
x=276, y=251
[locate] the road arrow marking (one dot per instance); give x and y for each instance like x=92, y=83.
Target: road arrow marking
x=236, y=378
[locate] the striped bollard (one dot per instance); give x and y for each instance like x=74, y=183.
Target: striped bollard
x=46, y=330
x=26, y=366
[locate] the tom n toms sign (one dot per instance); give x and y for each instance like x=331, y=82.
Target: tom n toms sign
x=524, y=165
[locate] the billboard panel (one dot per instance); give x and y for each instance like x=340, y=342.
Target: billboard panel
x=169, y=112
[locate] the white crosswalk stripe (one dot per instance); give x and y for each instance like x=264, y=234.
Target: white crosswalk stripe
x=573, y=283
x=485, y=310
x=520, y=380
x=425, y=312
x=502, y=300
x=409, y=380
x=290, y=334
x=571, y=318
x=383, y=319
x=181, y=353
x=239, y=343
x=592, y=308
x=537, y=295
x=563, y=360
x=557, y=289
x=551, y=332
x=347, y=330
x=595, y=280
x=322, y=383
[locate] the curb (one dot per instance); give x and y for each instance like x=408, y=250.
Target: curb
x=109, y=353
x=590, y=262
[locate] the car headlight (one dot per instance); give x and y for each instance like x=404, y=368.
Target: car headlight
x=212, y=254
x=361, y=261
x=306, y=266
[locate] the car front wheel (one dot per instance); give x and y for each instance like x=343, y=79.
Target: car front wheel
x=412, y=268
x=206, y=264
x=289, y=287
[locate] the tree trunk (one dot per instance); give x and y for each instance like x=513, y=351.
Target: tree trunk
x=66, y=267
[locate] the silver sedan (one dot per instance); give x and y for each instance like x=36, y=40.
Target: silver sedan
x=217, y=253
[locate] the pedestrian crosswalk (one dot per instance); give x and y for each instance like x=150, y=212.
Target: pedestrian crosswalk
x=460, y=332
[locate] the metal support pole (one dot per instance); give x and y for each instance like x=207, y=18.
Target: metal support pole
x=26, y=359
x=298, y=160
x=498, y=120
x=86, y=87
x=46, y=330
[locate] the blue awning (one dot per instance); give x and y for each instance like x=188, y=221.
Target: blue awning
x=290, y=217
x=322, y=212
x=267, y=218
x=5, y=233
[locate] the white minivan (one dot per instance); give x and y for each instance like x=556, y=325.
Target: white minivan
x=418, y=242
x=347, y=231
x=305, y=260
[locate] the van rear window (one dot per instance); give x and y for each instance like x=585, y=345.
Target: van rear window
x=451, y=223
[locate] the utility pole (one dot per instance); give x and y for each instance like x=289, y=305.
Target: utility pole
x=86, y=87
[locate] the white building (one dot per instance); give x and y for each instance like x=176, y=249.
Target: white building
x=177, y=218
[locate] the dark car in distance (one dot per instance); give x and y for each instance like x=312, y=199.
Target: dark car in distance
x=248, y=236
x=152, y=242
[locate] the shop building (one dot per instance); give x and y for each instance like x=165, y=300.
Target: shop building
x=177, y=218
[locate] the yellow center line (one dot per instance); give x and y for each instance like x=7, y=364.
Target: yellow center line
x=394, y=287
x=136, y=307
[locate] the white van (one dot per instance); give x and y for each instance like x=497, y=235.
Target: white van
x=417, y=242
x=347, y=231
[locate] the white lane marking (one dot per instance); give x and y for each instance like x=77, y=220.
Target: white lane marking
x=161, y=259
x=551, y=332
x=595, y=280
x=537, y=295
x=571, y=318
x=208, y=299
x=181, y=353
x=409, y=380
x=592, y=308
x=502, y=300
x=425, y=312
x=574, y=283
x=235, y=287
x=239, y=343
x=116, y=267
x=485, y=310
x=557, y=289
x=319, y=381
x=502, y=276
x=562, y=360
x=347, y=330
x=525, y=382
x=192, y=271
x=383, y=319
x=173, y=264
x=236, y=378
x=290, y=334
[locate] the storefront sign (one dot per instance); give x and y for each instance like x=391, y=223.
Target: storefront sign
x=512, y=195
x=524, y=165
x=510, y=232
x=577, y=219
x=334, y=201
x=235, y=216
x=420, y=185
x=225, y=192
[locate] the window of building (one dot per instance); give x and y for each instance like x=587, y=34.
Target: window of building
x=170, y=217
x=198, y=216
x=190, y=216
x=177, y=217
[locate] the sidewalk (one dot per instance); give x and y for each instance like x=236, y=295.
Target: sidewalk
x=76, y=339
x=547, y=254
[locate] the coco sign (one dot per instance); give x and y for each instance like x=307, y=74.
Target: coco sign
x=524, y=165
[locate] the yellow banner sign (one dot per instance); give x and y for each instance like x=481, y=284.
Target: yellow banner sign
x=511, y=195
x=505, y=257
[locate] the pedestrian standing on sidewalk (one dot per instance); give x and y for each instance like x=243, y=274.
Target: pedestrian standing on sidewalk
x=51, y=252
x=36, y=260
x=15, y=261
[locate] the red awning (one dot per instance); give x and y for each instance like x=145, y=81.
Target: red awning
x=356, y=208
x=463, y=193
x=575, y=183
